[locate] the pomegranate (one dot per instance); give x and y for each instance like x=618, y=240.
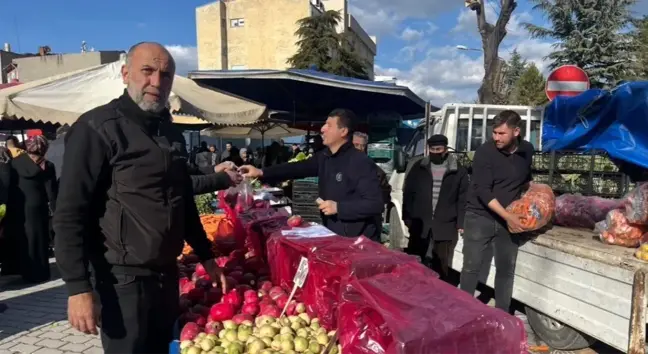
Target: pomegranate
x=262, y=293
x=250, y=297
x=213, y=327
x=233, y=298
x=231, y=283
x=186, y=288
x=276, y=291
x=282, y=300
x=243, y=288
x=271, y=310
x=201, y=321
x=221, y=312
x=189, y=331
x=266, y=286
x=251, y=309
x=295, y=221
x=183, y=281
x=290, y=310
x=238, y=319
x=222, y=261
x=203, y=283
x=200, y=270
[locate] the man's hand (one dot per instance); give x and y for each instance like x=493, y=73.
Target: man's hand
x=235, y=177
x=514, y=223
x=224, y=166
x=250, y=171
x=82, y=313
x=216, y=274
x=328, y=207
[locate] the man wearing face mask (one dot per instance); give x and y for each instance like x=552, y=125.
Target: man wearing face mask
x=434, y=198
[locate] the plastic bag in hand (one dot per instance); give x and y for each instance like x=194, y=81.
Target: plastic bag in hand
x=636, y=209
x=245, y=198
x=581, y=211
x=616, y=230
x=536, y=207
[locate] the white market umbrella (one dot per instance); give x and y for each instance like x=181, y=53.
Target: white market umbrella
x=266, y=129
x=63, y=98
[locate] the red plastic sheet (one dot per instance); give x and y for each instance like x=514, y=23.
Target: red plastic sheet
x=408, y=310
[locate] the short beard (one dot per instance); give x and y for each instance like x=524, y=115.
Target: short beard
x=138, y=98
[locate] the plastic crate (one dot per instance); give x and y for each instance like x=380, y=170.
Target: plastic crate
x=608, y=185
x=381, y=154
x=308, y=179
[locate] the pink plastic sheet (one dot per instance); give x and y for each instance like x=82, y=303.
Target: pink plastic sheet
x=407, y=310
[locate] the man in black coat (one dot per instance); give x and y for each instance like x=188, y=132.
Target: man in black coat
x=434, y=199
x=351, y=200
x=126, y=207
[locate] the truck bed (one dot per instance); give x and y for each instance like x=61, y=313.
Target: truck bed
x=570, y=275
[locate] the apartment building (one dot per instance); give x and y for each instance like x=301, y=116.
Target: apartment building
x=260, y=34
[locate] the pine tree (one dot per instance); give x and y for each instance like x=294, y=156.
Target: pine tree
x=319, y=44
x=512, y=72
x=640, y=49
x=529, y=89
x=590, y=34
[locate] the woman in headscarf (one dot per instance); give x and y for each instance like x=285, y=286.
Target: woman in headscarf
x=33, y=200
x=8, y=242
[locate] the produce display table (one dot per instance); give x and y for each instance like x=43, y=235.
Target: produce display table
x=374, y=299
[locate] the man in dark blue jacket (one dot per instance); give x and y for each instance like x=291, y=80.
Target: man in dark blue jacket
x=349, y=189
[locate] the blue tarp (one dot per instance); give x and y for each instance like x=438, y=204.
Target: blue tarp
x=611, y=120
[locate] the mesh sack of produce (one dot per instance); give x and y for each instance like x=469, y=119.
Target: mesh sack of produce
x=583, y=211
x=409, y=310
x=329, y=265
x=616, y=230
x=536, y=207
x=636, y=207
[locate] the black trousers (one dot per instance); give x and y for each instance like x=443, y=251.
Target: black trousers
x=436, y=254
x=138, y=312
x=480, y=233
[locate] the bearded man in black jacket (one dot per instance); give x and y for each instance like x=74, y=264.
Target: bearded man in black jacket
x=126, y=207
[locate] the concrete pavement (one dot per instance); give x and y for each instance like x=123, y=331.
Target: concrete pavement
x=36, y=320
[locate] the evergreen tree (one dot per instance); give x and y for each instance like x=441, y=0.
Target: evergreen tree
x=319, y=44
x=640, y=47
x=512, y=72
x=590, y=34
x=529, y=89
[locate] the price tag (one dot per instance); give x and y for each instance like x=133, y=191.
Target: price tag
x=302, y=272
x=298, y=280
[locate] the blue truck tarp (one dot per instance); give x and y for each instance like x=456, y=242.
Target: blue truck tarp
x=609, y=120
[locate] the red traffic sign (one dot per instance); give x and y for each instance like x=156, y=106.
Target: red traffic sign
x=567, y=80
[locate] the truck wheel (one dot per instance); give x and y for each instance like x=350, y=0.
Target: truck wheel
x=396, y=237
x=556, y=334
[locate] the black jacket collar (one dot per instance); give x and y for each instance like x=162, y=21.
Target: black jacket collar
x=340, y=151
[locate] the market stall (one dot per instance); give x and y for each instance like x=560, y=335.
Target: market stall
x=297, y=287
x=63, y=98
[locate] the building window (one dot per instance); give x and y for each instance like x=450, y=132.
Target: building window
x=239, y=67
x=237, y=22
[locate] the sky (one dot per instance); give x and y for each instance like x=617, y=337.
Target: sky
x=417, y=39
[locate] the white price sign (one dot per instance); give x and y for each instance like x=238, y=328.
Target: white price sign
x=298, y=280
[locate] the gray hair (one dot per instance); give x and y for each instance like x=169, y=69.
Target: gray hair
x=362, y=135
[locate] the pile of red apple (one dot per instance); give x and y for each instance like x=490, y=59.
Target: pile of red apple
x=250, y=294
